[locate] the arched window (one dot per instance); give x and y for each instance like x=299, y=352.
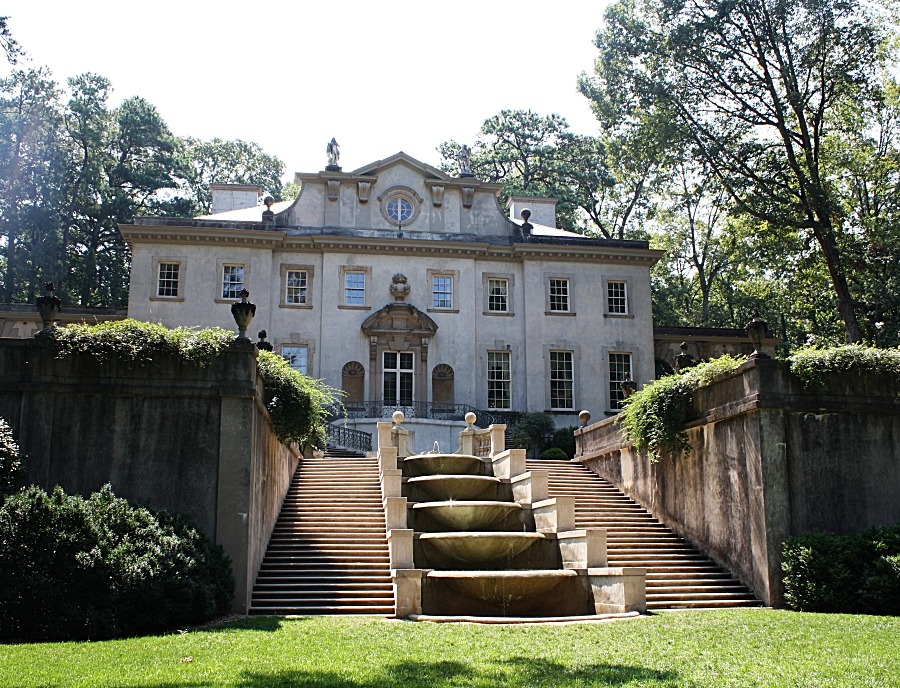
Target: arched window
x=442, y=384
x=353, y=382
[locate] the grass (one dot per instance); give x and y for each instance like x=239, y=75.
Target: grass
x=723, y=648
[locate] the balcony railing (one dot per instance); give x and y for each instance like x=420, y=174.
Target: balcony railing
x=349, y=438
x=418, y=409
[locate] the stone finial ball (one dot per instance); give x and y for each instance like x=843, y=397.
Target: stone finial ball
x=397, y=417
x=471, y=418
x=584, y=417
x=526, y=213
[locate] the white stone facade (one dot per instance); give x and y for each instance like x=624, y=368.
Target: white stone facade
x=490, y=314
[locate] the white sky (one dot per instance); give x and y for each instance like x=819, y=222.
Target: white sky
x=379, y=76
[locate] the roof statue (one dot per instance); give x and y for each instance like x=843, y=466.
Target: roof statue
x=334, y=154
x=464, y=157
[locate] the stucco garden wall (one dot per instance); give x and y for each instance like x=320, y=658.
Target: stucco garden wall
x=768, y=459
x=170, y=434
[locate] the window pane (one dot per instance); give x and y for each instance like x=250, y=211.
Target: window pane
x=168, y=279
x=355, y=289
x=617, y=298
x=498, y=292
x=406, y=361
x=498, y=374
x=619, y=371
x=296, y=287
x=442, y=291
x=406, y=389
x=559, y=295
x=561, y=380
x=296, y=357
x=232, y=281
x=390, y=360
x=390, y=387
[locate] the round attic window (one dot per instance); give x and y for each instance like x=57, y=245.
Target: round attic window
x=400, y=205
x=399, y=209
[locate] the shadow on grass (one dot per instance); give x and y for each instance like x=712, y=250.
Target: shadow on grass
x=268, y=624
x=517, y=671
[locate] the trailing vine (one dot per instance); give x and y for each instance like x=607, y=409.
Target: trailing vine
x=296, y=403
x=653, y=418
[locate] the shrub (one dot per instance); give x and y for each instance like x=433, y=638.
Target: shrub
x=11, y=473
x=554, y=454
x=530, y=430
x=564, y=438
x=843, y=573
x=653, y=418
x=76, y=568
x=813, y=364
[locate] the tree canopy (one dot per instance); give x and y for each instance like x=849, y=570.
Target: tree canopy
x=760, y=90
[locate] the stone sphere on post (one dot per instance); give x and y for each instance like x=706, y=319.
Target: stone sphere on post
x=584, y=417
x=470, y=419
x=397, y=417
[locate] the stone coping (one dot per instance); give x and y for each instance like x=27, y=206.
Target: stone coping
x=526, y=620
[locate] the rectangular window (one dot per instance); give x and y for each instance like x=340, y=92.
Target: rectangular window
x=296, y=356
x=498, y=295
x=354, y=288
x=167, y=284
x=562, y=380
x=619, y=371
x=398, y=378
x=616, y=298
x=442, y=291
x=295, y=287
x=232, y=281
x=498, y=380
x=559, y=295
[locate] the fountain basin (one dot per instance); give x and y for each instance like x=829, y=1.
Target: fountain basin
x=444, y=464
x=468, y=515
x=502, y=587
x=460, y=487
x=481, y=547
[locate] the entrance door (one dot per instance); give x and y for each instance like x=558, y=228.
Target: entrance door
x=397, y=388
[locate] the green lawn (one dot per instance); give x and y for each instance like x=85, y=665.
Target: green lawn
x=729, y=648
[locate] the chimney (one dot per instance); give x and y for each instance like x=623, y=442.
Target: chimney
x=227, y=197
x=543, y=209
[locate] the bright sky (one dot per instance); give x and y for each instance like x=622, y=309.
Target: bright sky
x=379, y=76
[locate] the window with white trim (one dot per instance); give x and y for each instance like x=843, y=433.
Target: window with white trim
x=397, y=376
x=498, y=295
x=499, y=380
x=442, y=291
x=168, y=276
x=619, y=371
x=297, y=356
x=562, y=380
x=295, y=285
x=354, y=288
x=616, y=297
x=559, y=295
x=232, y=281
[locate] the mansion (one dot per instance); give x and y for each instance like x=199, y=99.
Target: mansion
x=401, y=284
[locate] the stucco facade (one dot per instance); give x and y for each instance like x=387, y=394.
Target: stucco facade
x=399, y=283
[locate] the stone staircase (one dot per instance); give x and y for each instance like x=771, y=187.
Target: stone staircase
x=328, y=553
x=678, y=575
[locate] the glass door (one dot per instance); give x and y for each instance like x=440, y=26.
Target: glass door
x=397, y=387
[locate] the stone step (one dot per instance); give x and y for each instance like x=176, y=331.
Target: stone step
x=316, y=610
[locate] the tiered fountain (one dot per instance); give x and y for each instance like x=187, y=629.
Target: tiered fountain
x=472, y=534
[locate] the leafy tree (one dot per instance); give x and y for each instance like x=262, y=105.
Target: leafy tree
x=8, y=44
x=755, y=85
x=30, y=179
x=220, y=162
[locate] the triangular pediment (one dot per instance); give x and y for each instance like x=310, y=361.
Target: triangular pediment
x=401, y=158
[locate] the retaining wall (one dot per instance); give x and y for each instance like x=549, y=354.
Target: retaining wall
x=769, y=459
x=191, y=439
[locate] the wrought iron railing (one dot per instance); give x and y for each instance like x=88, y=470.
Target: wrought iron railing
x=349, y=438
x=418, y=409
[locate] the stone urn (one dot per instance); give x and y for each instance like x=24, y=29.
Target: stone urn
x=48, y=306
x=756, y=330
x=243, y=313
